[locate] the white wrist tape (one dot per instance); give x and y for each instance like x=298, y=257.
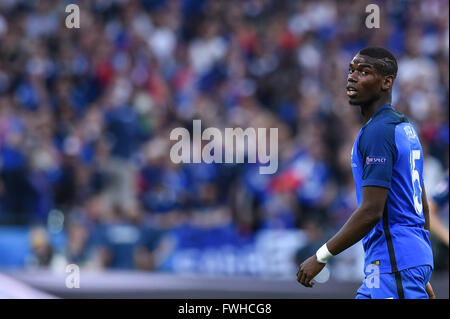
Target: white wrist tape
x=323, y=254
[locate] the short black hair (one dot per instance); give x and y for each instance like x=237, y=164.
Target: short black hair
x=387, y=62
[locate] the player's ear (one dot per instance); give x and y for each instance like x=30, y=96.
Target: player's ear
x=387, y=82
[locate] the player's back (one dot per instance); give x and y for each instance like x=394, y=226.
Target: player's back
x=387, y=153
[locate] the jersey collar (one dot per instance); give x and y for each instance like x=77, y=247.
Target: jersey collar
x=378, y=111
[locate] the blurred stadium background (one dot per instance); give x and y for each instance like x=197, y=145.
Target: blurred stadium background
x=85, y=117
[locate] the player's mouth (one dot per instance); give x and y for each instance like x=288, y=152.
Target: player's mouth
x=351, y=91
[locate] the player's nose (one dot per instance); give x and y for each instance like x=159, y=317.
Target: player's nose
x=351, y=77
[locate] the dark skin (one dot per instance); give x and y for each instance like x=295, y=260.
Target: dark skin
x=369, y=88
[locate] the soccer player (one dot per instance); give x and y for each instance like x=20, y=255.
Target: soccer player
x=392, y=217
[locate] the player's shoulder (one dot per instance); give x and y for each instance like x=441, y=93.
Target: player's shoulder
x=387, y=118
x=381, y=129
x=383, y=125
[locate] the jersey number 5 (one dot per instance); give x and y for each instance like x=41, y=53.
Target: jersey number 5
x=415, y=155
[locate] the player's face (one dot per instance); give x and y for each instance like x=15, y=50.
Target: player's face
x=363, y=81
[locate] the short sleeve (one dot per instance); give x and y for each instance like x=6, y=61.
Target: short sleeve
x=378, y=151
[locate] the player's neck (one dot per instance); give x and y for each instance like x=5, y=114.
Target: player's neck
x=368, y=110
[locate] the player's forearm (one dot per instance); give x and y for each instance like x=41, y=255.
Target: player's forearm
x=357, y=226
x=425, y=208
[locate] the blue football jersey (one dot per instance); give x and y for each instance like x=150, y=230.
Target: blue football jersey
x=387, y=153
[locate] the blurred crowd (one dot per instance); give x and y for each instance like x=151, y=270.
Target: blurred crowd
x=86, y=114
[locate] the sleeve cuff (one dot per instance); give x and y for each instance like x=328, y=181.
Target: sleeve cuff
x=376, y=182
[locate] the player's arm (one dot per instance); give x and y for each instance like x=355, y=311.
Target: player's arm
x=376, y=181
x=426, y=208
x=360, y=223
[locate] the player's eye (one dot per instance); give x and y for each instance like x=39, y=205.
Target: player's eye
x=364, y=72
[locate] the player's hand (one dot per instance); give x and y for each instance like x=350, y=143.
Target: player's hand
x=430, y=291
x=308, y=270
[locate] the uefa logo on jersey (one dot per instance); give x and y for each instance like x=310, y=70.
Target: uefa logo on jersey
x=375, y=160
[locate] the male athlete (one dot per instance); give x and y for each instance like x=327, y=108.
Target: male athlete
x=392, y=217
